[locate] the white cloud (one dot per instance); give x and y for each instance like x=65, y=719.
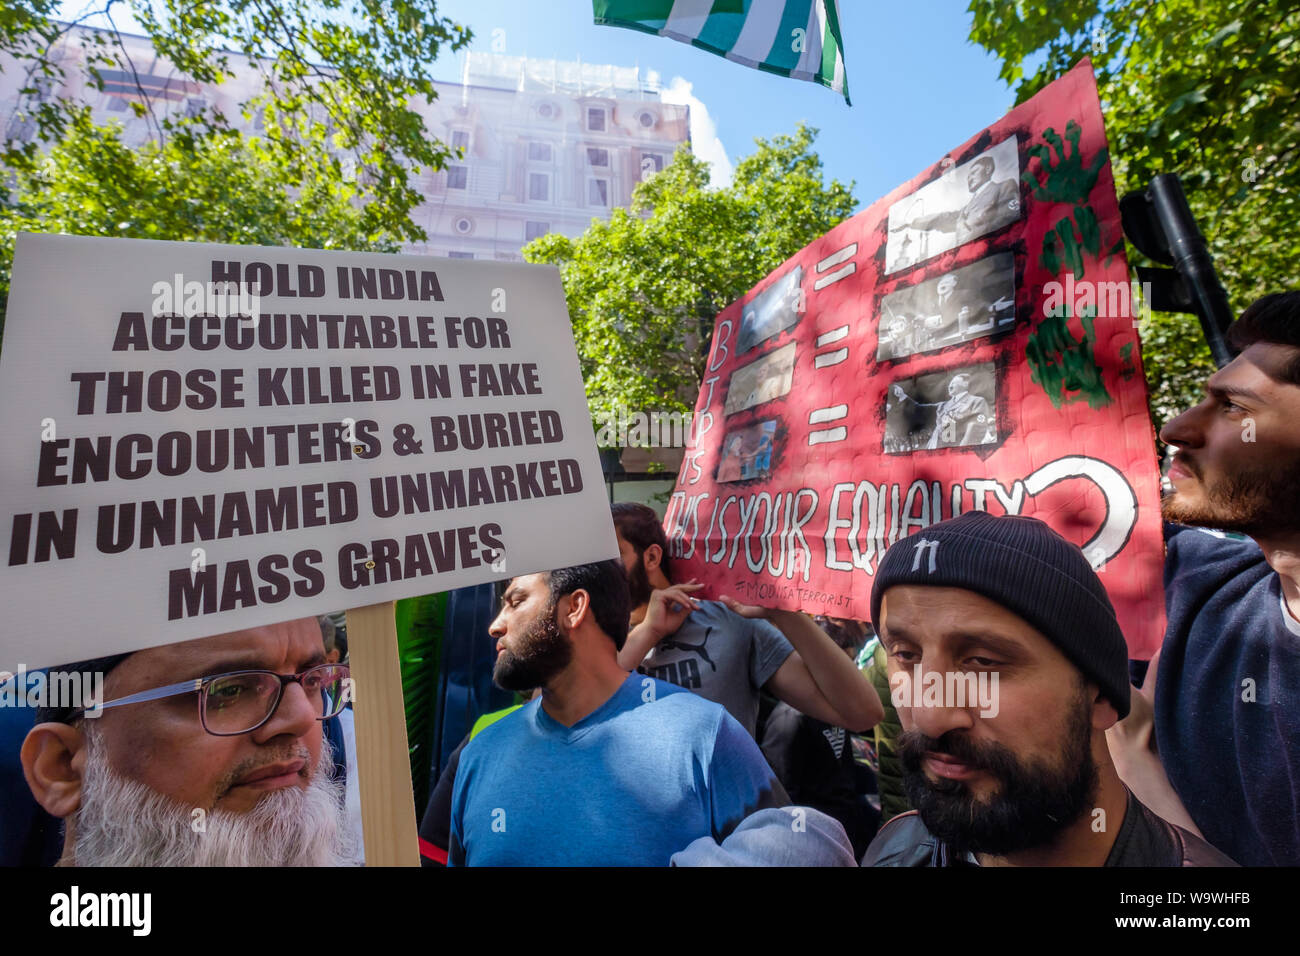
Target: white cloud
x=704, y=132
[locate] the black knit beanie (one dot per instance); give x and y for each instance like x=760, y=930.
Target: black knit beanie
x=1028, y=568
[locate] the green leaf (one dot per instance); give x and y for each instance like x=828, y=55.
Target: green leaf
x=343, y=80
x=1188, y=86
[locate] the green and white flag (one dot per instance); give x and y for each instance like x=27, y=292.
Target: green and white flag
x=796, y=38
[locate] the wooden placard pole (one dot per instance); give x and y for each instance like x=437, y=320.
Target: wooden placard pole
x=383, y=759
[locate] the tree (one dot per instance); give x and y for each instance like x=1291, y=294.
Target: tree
x=217, y=188
x=331, y=168
x=1209, y=89
x=644, y=288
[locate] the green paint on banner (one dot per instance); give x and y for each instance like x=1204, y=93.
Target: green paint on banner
x=1067, y=178
x=1063, y=366
x=1127, y=369
x=1062, y=177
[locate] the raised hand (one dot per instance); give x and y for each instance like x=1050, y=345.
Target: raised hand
x=669, y=607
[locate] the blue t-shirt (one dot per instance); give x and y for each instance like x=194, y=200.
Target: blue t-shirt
x=650, y=770
x=1227, y=709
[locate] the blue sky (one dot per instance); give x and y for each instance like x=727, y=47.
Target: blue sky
x=919, y=86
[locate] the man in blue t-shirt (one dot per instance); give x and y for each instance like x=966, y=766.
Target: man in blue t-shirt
x=604, y=768
x=1226, y=682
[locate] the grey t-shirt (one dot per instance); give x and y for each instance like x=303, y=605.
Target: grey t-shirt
x=721, y=656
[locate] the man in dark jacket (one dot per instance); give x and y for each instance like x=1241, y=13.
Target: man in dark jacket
x=1220, y=710
x=1007, y=665
x=814, y=760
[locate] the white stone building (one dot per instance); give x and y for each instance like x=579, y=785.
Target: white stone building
x=548, y=146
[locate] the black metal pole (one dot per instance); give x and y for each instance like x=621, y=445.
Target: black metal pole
x=1191, y=257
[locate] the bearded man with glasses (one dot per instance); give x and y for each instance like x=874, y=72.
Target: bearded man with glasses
x=207, y=752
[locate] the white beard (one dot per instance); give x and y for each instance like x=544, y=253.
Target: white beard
x=124, y=823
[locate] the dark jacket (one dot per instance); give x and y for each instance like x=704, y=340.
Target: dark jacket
x=1227, y=703
x=1144, y=840
x=814, y=762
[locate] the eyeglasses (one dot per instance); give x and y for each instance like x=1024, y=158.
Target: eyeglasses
x=242, y=701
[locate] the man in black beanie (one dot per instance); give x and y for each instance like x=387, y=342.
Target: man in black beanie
x=1007, y=666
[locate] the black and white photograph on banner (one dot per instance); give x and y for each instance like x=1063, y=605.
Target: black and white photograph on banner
x=969, y=200
x=946, y=409
x=968, y=303
x=761, y=380
x=773, y=310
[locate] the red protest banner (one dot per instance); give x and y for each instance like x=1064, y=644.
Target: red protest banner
x=967, y=342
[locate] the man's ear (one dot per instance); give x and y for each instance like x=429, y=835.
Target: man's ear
x=652, y=557
x=54, y=762
x=573, y=609
x=1104, y=714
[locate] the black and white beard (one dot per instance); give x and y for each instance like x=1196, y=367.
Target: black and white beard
x=123, y=822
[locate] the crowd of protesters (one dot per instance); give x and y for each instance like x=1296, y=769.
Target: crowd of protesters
x=664, y=725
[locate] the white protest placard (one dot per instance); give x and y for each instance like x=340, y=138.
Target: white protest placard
x=204, y=438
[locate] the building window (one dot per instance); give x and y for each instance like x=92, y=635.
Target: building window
x=535, y=230
x=596, y=120
x=597, y=157
x=646, y=119
x=651, y=163
x=598, y=192
x=539, y=187
x=546, y=111
x=460, y=255
x=460, y=139
x=457, y=177
x=539, y=152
